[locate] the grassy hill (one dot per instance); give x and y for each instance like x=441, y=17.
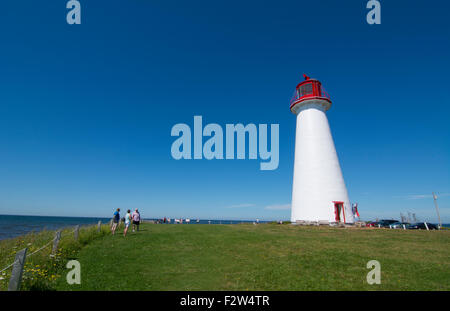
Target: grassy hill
x=262, y=257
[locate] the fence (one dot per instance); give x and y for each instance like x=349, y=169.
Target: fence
x=21, y=256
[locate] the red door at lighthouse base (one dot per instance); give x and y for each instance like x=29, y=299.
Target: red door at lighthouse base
x=338, y=208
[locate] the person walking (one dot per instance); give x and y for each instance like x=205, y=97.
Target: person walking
x=116, y=219
x=127, y=222
x=136, y=219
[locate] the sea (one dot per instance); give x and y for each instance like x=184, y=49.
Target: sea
x=12, y=226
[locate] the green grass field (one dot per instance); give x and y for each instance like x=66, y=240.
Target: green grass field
x=262, y=257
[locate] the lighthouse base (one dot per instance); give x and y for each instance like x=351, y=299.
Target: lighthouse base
x=323, y=223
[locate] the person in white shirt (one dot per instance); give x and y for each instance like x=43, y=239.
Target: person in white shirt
x=136, y=219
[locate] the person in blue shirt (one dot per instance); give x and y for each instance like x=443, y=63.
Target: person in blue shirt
x=116, y=219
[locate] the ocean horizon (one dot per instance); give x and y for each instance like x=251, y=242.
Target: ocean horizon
x=16, y=225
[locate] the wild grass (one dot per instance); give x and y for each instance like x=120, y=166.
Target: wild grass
x=43, y=268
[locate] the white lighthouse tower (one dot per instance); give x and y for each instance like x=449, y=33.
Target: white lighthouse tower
x=318, y=192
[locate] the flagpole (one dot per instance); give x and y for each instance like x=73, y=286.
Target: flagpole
x=437, y=210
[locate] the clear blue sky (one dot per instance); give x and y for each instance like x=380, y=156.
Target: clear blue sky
x=86, y=110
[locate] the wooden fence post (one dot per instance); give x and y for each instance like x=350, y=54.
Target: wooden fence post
x=99, y=226
x=17, y=271
x=56, y=242
x=76, y=232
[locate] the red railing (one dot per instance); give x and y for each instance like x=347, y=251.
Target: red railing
x=309, y=89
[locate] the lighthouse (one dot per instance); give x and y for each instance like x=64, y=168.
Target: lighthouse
x=319, y=194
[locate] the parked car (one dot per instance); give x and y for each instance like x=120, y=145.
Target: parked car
x=421, y=225
x=385, y=223
x=372, y=224
x=399, y=225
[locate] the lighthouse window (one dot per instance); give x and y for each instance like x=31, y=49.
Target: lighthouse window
x=306, y=89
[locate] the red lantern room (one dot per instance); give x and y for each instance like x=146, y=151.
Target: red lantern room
x=310, y=89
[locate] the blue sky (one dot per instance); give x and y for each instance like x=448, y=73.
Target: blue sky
x=86, y=110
